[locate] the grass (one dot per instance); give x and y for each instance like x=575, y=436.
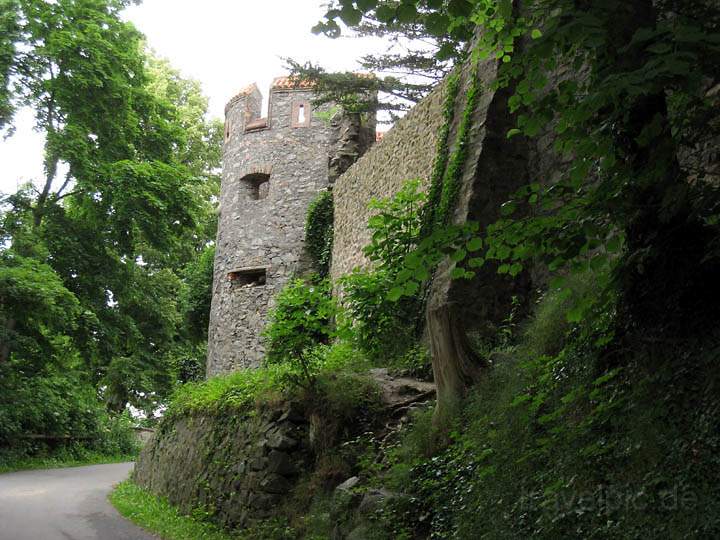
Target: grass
x=13, y=463
x=236, y=391
x=158, y=516
x=243, y=389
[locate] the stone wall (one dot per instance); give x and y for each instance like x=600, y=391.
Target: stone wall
x=261, y=224
x=238, y=468
x=406, y=152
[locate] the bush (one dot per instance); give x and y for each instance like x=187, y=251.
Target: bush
x=63, y=409
x=546, y=331
x=319, y=231
x=384, y=330
x=302, y=319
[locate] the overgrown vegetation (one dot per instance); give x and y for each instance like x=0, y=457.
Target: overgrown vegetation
x=319, y=231
x=331, y=367
x=385, y=330
x=302, y=319
x=158, y=516
x=595, y=418
x=547, y=447
x=106, y=261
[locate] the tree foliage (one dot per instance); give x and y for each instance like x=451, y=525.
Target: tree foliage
x=121, y=222
x=422, y=49
x=627, y=93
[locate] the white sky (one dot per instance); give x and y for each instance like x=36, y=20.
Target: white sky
x=225, y=44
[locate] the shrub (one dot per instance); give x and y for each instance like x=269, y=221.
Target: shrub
x=302, y=319
x=63, y=408
x=319, y=231
x=382, y=328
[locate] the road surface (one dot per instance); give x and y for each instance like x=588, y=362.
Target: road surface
x=64, y=504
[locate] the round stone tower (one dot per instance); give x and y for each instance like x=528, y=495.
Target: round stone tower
x=272, y=168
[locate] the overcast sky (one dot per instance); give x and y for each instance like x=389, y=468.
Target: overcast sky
x=225, y=44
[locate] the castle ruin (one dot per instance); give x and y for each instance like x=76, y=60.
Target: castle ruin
x=273, y=167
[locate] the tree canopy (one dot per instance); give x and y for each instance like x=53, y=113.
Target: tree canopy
x=103, y=247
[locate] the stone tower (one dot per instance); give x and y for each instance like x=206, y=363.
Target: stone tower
x=273, y=167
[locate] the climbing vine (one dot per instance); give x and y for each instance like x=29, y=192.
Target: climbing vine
x=319, y=231
x=441, y=154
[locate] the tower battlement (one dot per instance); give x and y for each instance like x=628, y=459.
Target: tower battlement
x=243, y=113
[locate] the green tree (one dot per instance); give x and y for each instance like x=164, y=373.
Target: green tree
x=127, y=199
x=423, y=48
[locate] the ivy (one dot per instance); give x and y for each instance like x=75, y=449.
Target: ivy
x=452, y=179
x=441, y=155
x=319, y=231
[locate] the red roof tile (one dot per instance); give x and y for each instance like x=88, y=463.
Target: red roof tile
x=291, y=83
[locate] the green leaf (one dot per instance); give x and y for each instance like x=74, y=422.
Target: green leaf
x=505, y=8
x=460, y=8
x=536, y=34
x=366, y=5
x=411, y=287
x=508, y=208
x=613, y=245
x=395, y=293
x=412, y=260
x=474, y=244
x=476, y=262
x=575, y=314
x=437, y=24
x=350, y=15
x=421, y=274
x=515, y=269
x=457, y=273
x=514, y=131
x=406, y=13
x=385, y=14
x=458, y=255
x=403, y=275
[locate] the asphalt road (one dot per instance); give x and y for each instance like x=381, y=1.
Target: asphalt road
x=64, y=504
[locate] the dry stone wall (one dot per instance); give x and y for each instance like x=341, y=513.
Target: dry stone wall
x=238, y=468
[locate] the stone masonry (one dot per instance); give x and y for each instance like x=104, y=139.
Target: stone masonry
x=272, y=169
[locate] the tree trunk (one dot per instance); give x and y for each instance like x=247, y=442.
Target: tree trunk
x=455, y=364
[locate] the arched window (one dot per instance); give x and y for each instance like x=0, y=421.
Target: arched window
x=257, y=185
